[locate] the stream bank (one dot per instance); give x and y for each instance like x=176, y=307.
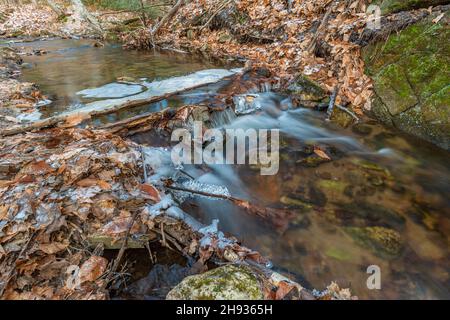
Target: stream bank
x=327, y=233
x=333, y=44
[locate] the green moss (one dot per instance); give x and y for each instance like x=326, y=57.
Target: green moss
x=410, y=73
x=312, y=161
x=382, y=241
x=306, y=89
x=394, y=89
x=430, y=120
x=338, y=254
x=227, y=282
x=332, y=185
x=297, y=203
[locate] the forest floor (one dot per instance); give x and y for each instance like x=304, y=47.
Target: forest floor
x=64, y=188
x=81, y=183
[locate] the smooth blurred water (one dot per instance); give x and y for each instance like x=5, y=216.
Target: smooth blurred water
x=70, y=66
x=378, y=179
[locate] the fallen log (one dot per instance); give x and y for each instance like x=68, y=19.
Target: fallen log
x=102, y=108
x=187, y=232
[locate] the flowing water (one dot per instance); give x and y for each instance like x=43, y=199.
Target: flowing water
x=382, y=200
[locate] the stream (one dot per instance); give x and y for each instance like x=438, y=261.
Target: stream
x=382, y=200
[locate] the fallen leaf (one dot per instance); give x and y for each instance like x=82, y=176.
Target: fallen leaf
x=75, y=119
x=151, y=192
x=321, y=154
x=92, y=269
x=54, y=247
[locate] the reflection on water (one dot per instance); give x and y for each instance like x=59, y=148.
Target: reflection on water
x=70, y=66
x=382, y=200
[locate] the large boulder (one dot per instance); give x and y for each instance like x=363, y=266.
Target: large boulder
x=411, y=81
x=229, y=282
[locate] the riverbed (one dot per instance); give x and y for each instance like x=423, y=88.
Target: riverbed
x=381, y=200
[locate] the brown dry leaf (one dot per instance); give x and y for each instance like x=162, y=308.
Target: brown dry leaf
x=5, y=183
x=51, y=248
x=118, y=226
x=151, y=192
x=321, y=154
x=23, y=105
x=40, y=168
x=283, y=289
x=3, y=212
x=86, y=183
x=75, y=119
x=92, y=269
x=104, y=185
x=89, y=182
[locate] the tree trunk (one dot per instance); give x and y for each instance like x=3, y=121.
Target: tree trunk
x=168, y=16
x=84, y=14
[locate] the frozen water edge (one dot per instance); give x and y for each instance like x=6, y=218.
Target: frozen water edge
x=158, y=159
x=112, y=90
x=159, y=88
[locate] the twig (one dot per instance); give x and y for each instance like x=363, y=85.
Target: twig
x=215, y=14
x=348, y=111
x=332, y=102
x=150, y=253
x=312, y=45
x=169, y=15
x=144, y=166
x=278, y=217
x=13, y=266
x=121, y=251
x=201, y=193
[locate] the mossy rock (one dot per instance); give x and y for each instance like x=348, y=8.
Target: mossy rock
x=229, y=282
x=411, y=81
x=294, y=202
x=341, y=118
x=382, y=241
x=373, y=214
x=312, y=161
x=305, y=89
x=392, y=6
x=338, y=254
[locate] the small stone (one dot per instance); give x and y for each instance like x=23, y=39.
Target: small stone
x=382, y=241
x=361, y=129
x=229, y=282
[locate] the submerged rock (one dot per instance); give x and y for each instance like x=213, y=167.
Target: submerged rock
x=361, y=129
x=306, y=89
x=341, y=118
x=382, y=241
x=312, y=161
x=229, y=282
x=410, y=74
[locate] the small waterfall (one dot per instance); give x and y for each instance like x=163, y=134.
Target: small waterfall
x=246, y=103
x=223, y=117
x=266, y=87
